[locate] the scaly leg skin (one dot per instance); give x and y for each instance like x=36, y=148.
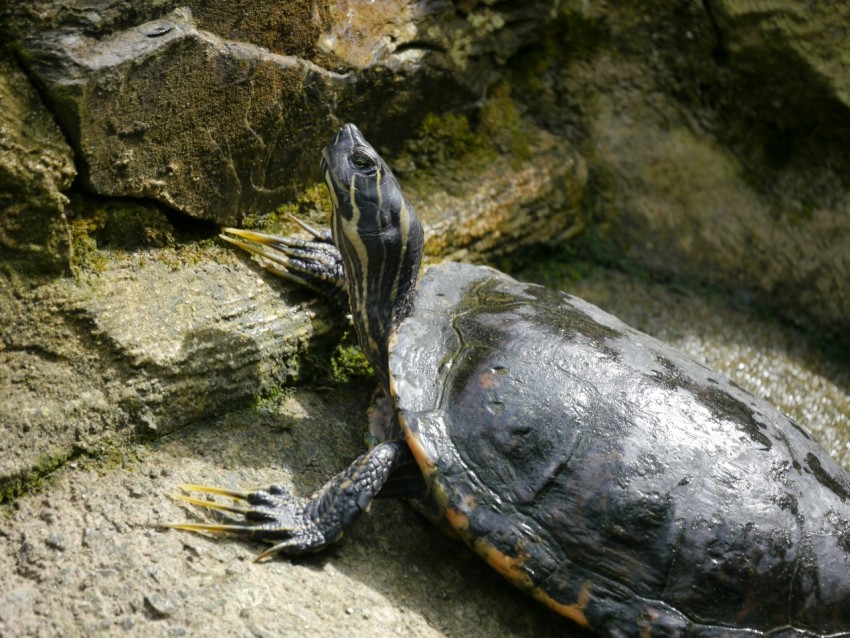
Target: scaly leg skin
x=298, y=525
x=314, y=264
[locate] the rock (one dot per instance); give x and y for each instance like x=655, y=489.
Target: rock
x=160, y=605
x=142, y=348
x=216, y=127
x=36, y=166
x=470, y=39
x=715, y=140
x=509, y=205
x=811, y=37
x=165, y=111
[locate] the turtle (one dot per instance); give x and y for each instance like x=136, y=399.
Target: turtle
x=616, y=480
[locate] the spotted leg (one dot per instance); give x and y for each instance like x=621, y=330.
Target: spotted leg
x=298, y=525
x=315, y=264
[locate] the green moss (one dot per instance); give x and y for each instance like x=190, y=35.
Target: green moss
x=502, y=124
x=450, y=149
x=449, y=143
x=82, y=226
x=570, y=37
x=109, y=454
x=348, y=363
x=325, y=364
x=580, y=34
x=105, y=456
x=443, y=138
x=33, y=480
x=99, y=224
x=333, y=363
x=269, y=400
x=129, y=226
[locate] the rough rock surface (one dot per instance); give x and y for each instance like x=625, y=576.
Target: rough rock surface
x=213, y=126
x=813, y=37
x=166, y=111
x=36, y=165
x=715, y=138
x=141, y=348
x=507, y=206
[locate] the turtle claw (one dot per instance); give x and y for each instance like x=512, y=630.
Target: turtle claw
x=213, y=505
x=211, y=527
x=272, y=515
x=301, y=525
x=285, y=547
x=323, y=235
x=315, y=263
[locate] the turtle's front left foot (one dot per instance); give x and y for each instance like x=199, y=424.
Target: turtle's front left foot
x=298, y=525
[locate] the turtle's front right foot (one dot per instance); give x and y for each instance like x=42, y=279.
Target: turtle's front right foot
x=272, y=515
x=315, y=264
x=297, y=525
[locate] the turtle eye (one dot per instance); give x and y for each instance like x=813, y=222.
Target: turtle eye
x=362, y=162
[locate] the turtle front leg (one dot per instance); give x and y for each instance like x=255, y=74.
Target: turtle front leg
x=315, y=264
x=300, y=525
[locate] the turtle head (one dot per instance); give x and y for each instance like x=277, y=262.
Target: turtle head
x=379, y=236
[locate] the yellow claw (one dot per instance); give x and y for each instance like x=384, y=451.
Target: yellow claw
x=219, y=491
x=271, y=551
x=238, y=242
x=212, y=527
x=259, y=558
x=315, y=233
x=236, y=509
x=260, y=238
x=264, y=251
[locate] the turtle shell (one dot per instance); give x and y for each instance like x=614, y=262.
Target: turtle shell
x=622, y=483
